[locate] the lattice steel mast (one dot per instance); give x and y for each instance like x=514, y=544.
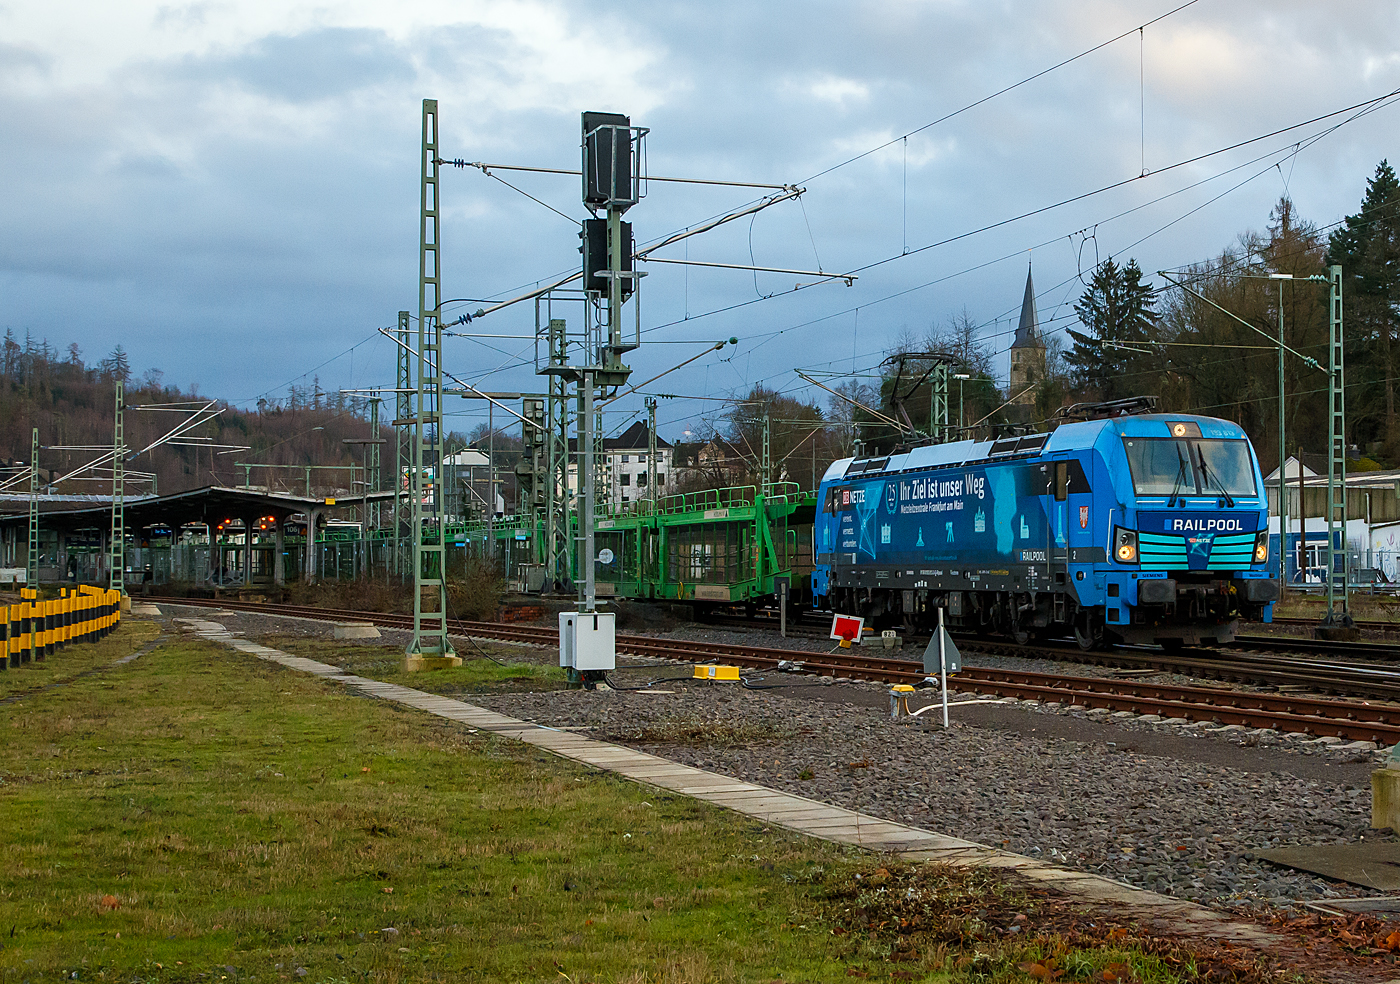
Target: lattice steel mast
x=403, y=410
x=31, y=564
x=557, y=524
x=430, y=647
x=116, y=545
x=1336, y=461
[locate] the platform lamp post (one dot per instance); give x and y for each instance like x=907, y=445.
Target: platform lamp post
x=1282, y=454
x=1281, y=347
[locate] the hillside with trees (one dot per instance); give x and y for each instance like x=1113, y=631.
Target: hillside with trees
x=72, y=405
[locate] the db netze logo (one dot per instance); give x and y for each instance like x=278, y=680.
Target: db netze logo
x=1204, y=525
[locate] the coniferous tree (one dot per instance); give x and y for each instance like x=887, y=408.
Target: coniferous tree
x=1117, y=309
x=117, y=365
x=11, y=355
x=1367, y=247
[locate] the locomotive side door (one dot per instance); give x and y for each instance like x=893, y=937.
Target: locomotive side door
x=1079, y=518
x=1059, y=532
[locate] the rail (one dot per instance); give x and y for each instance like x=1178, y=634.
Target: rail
x=1297, y=713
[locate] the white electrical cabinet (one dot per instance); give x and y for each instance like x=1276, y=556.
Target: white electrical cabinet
x=588, y=640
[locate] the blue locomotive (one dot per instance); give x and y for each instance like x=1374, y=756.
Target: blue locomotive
x=1135, y=529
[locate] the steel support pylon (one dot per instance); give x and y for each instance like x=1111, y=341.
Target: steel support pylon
x=588, y=487
x=652, y=492
x=1336, y=460
x=403, y=455
x=766, y=462
x=31, y=564
x=557, y=525
x=938, y=428
x=116, y=544
x=429, y=647
x=373, y=476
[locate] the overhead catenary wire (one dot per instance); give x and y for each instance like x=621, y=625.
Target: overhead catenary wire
x=1374, y=102
x=904, y=137
x=1193, y=159
x=1129, y=180
x=1000, y=92
x=1296, y=147
x=461, y=163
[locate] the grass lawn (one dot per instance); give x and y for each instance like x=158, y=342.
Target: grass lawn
x=200, y=815
x=478, y=674
x=75, y=660
x=1378, y=607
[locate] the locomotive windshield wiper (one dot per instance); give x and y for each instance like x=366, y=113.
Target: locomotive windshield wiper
x=1180, y=476
x=1208, y=475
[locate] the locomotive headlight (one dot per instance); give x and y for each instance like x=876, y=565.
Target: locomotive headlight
x=1125, y=547
x=1261, y=547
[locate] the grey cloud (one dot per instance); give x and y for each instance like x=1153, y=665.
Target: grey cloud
x=321, y=64
x=256, y=249
x=15, y=59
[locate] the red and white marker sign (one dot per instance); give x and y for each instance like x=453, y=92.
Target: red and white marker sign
x=846, y=628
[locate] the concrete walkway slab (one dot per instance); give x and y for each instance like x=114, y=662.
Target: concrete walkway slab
x=772, y=806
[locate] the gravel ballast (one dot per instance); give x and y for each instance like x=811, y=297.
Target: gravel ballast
x=1182, y=828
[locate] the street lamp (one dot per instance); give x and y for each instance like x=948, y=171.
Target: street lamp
x=1282, y=347
x=1282, y=454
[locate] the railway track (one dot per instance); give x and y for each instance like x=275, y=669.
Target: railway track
x=1342, y=668
x=1356, y=720
x=1381, y=652
x=1374, y=625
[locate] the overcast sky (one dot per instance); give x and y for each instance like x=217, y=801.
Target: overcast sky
x=230, y=189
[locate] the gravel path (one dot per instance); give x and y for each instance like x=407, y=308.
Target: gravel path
x=1183, y=828
x=1178, y=811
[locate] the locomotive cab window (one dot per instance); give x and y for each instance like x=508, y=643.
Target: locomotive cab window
x=1170, y=466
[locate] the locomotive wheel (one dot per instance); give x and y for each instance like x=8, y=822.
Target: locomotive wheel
x=1019, y=635
x=1088, y=631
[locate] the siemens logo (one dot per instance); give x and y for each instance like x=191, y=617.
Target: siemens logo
x=1204, y=525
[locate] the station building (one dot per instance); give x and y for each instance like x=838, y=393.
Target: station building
x=625, y=470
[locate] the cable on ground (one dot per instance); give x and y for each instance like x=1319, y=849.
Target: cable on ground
x=608, y=680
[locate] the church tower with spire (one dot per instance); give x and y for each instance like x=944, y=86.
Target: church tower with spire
x=1027, y=351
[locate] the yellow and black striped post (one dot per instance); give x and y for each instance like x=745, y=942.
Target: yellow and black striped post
x=34, y=629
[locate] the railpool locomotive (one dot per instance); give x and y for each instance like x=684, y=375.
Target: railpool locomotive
x=1133, y=529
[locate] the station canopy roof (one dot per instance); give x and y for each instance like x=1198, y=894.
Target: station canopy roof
x=212, y=504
